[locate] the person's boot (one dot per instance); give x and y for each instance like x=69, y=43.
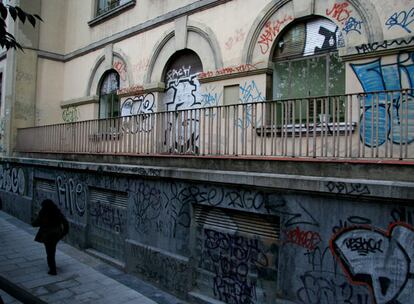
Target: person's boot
x=52, y=272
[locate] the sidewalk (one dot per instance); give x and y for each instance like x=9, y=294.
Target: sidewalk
x=81, y=278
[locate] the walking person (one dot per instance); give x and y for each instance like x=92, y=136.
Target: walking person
x=53, y=227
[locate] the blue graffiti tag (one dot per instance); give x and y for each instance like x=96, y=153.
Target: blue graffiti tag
x=353, y=25
x=375, y=76
x=249, y=92
x=402, y=19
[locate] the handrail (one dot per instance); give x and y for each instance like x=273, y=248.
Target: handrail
x=376, y=125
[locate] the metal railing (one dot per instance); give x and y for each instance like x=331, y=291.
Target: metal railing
x=368, y=125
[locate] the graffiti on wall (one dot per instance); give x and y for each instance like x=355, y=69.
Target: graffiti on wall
x=339, y=11
x=403, y=214
x=143, y=104
x=72, y=195
x=163, y=211
x=347, y=188
x=70, y=114
x=353, y=25
x=108, y=216
x=12, y=180
x=270, y=31
x=386, y=44
x=249, y=92
x=382, y=260
x=246, y=67
x=376, y=76
x=182, y=93
x=234, y=260
x=121, y=68
x=237, y=37
x=144, y=107
x=321, y=35
x=307, y=239
x=210, y=96
x=403, y=19
x=165, y=270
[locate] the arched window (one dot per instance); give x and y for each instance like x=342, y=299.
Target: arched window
x=306, y=61
x=306, y=64
x=108, y=99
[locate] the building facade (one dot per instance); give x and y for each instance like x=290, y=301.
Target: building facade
x=236, y=151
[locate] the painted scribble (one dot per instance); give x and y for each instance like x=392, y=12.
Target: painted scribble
x=403, y=19
x=339, y=11
x=353, y=25
x=382, y=260
x=182, y=93
x=270, y=31
x=235, y=258
x=70, y=114
x=72, y=195
x=12, y=179
x=375, y=76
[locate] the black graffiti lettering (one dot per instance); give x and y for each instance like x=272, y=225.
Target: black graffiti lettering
x=363, y=246
x=160, y=268
x=235, y=258
x=347, y=188
x=372, y=47
x=109, y=216
x=352, y=220
x=325, y=287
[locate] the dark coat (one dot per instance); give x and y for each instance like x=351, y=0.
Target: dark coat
x=53, y=224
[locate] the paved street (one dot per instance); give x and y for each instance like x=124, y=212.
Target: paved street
x=81, y=278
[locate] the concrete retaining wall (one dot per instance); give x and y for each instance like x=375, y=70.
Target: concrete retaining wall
x=326, y=241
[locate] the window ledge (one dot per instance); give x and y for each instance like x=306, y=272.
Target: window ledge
x=112, y=13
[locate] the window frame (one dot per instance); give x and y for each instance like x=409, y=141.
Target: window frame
x=110, y=13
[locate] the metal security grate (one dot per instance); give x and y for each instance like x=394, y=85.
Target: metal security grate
x=250, y=223
x=45, y=185
x=114, y=198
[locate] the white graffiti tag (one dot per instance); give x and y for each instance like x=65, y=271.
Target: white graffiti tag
x=12, y=180
x=381, y=260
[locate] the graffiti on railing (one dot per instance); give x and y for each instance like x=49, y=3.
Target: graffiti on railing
x=12, y=180
x=143, y=106
x=387, y=116
x=249, y=92
x=381, y=260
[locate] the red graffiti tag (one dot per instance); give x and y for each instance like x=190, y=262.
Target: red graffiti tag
x=339, y=11
x=237, y=37
x=305, y=239
x=270, y=32
x=120, y=67
x=230, y=70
